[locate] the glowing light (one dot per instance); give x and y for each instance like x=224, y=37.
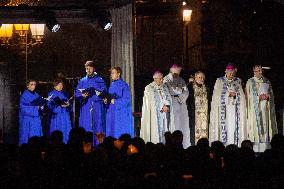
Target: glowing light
x=6, y=30
x=187, y=15
x=108, y=26
x=37, y=29
x=19, y=2
x=21, y=27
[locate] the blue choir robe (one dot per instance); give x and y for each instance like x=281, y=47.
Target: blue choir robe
x=29, y=117
x=119, y=115
x=58, y=116
x=92, y=109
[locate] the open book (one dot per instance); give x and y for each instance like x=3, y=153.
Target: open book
x=40, y=101
x=264, y=88
x=90, y=90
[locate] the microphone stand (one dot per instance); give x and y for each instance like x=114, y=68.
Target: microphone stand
x=73, y=80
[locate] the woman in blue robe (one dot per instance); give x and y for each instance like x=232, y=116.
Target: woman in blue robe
x=119, y=113
x=29, y=116
x=59, y=110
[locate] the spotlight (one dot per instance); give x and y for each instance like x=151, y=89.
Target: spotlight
x=107, y=26
x=52, y=24
x=104, y=20
x=49, y=17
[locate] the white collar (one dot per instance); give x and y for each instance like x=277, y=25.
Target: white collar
x=258, y=79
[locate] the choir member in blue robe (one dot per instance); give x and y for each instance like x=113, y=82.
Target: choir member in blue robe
x=119, y=118
x=89, y=93
x=29, y=116
x=59, y=110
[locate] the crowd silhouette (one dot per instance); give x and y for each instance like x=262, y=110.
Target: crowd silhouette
x=46, y=162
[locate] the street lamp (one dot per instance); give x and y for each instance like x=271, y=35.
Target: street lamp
x=186, y=17
x=37, y=31
x=6, y=32
x=22, y=29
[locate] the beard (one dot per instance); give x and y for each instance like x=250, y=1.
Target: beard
x=199, y=83
x=258, y=76
x=90, y=74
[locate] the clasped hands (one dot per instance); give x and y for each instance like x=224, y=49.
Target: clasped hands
x=106, y=101
x=65, y=104
x=165, y=109
x=85, y=94
x=177, y=90
x=232, y=94
x=263, y=97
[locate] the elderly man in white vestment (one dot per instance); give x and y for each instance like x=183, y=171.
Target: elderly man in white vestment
x=157, y=111
x=179, y=94
x=261, y=118
x=197, y=104
x=228, y=110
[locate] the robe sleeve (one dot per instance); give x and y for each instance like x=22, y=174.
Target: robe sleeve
x=78, y=94
x=146, y=117
x=190, y=100
x=53, y=105
x=270, y=91
x=250, y=110
x=272, y=112
x=184, y=95
x=39, y=101
x=243, y=117
x=214, y=114
x=124, y=99
x=169, y=88
x=99, y=88
x=27, y=108
x=102, y=86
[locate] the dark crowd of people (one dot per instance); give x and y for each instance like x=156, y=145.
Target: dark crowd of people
x=131, y=163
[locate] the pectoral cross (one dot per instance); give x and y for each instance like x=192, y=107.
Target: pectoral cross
x=160, y=91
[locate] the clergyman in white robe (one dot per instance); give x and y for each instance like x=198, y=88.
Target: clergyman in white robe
x=228, y=110
x=179, y=94
x=261, y=118
x=157, y=111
